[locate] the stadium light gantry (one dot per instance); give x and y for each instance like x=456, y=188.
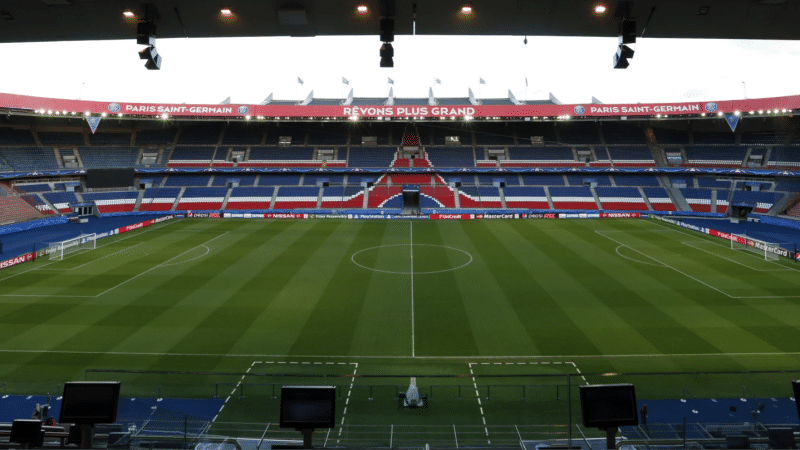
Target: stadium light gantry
x=387, y=37
x=146, y=35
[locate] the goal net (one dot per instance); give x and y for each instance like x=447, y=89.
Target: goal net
x=57, y=250
x=770, y=251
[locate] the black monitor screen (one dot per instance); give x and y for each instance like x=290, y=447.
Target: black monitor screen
x=90, y=402
x=308, y=406
x=781, y=437
x=609, y=405
x=109, y=178
x=796, y=389
x=25, y=431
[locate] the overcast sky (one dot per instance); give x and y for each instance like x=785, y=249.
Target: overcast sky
x=249, y=69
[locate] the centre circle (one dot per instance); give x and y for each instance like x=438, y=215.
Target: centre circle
x=408, y=259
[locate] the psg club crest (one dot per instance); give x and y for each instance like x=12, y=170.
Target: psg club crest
x=243, y=109
x=580, y=110
x=114, y=107
x=711, y=107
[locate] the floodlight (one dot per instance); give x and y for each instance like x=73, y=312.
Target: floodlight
x=362, y=9
x=226, y=12
x=387, y=55
x=128, y=14
x=466, y=9
x=600, y=9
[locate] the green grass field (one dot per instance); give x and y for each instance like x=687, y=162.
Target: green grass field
x=249, y=305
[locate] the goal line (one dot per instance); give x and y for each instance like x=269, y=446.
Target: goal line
x=771, y=251
x=57, y=250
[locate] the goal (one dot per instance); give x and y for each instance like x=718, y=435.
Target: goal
x=57, y=250
x=770, y=251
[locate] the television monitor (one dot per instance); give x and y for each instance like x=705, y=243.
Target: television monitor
x=109, y=178
x=781, y=437
x=737, y=441
x=305, y=407
x=608, y=405
x=90, y=402
x=27, y=431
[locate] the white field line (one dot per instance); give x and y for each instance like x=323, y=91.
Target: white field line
x=104, y=257
x=162, y=264
x=504, y=357
x=690, y=244
x=133, y=234
x=636, y=260
x=695, y=279
x=694, y=234
x=234, y=390
x=480, y=405
x=411, y=245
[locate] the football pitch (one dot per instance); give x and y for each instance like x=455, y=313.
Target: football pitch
x=491, y=317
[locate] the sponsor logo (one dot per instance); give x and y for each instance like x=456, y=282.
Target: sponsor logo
x=243, y=110
x=134, y=226
x=18, y=260
x=114, y=107
x=500, y=216
x=453, y=216
x=278, y=216
x=711, y=107
x=580, y=110
x=620, y=215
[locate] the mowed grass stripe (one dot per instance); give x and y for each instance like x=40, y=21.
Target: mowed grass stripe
x=341, y=304
x=442, y=323
x=499, y=330
x=537, y=308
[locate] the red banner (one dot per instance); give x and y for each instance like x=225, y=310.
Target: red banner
x=51, y=106
x=18, y=260
x=284, y=216
x=135, y=226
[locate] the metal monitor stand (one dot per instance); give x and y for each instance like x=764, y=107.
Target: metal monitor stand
x=306, y=436
x=86, y=434
x=611, y=437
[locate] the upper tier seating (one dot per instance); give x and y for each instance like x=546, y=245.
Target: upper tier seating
x=155, y=137
x=221, y=179
x=763, y=138
x=495, y=134
x=621, y=134
x=543, y=180
x=710, y=182
x=16, y=209
x=279, y=179
x=110, y=139
x=31, y=158
x=714, y=156
x=631, y=156
x=541, y=157
x=451, y=157
x=714, y=138
x=636, y=180
x=14, y=137
x=333, y=179
x=510, y=179
x=94, y=157
x=371, y=157
x=580, y=133
x=191, y=157
x=621, y=198
x=784, y=157
x=187, y=180
x=243, y=133
x=39, y=187
x=60, y=139
x=665, y=136
x=600, y=179
x=205, y=133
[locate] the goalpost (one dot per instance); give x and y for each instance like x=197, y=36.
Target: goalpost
x=57, y=250
x=770, y=251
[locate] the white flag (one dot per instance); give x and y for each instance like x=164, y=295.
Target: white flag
x=391, y=81
x=299, y=80
x=482, y=81
x=437, y=81
x=345, y=81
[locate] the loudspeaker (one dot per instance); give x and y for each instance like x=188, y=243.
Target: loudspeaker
x=387, y=30
x=146, y=33
x=627, y=32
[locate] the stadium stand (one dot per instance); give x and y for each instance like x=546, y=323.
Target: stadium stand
x=668, y=136
x=541, y=157
x=631, y=157
x=333, y=179
x=784, y=158
x=100, y=139
x=250, y=198
x=237, y=133
x=61, y=200
x=221, y=179
x=371, y=157
x=32, y=158
x=714, y=138
x=197, y=198
x=600, y=179
x=526, y=197
x=436, y=197
x=60, y=139
x=509, y=179
x=112, y=202
x=94, y=157
x=699, y=199
x=714, y=156
x=490, y=197
x=451, y=157
x=332, y=197
x=353, y=197
x=636, y=180
x=191, y=157
x=187, y=180
x=659, y=199
x=623, y=199
x=379, y=196
x=572, y=198
x=760, y=201
x=296, y=197
x=15, y=137
x=207, y=133
x=159, y=199
x=409, y=179
x=622, y=134
x=709, y=182
x=543, y=180
x=578, y=133
x=269, y=179
x=722, y=201
x=469, y=197
x=164, y=136
x=15, y=209
x=39, y=187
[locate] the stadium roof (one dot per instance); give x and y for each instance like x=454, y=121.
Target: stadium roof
x=68, y=20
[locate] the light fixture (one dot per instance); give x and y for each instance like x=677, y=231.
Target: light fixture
x=466, y=9
x=362, y=9
x=119, y=114
x=226, y=12
x=128, y=14
x=600, y=9
x=146, y=35
x=247, y=117
x=387, y=37
x=627, y=37
x=165, y=116
x=104, y=115
x=719, y=114
x=737, y=113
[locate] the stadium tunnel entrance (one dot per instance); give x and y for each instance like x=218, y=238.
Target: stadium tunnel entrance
x=411, y=200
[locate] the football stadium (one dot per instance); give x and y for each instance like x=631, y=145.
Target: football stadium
x=399, y=272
